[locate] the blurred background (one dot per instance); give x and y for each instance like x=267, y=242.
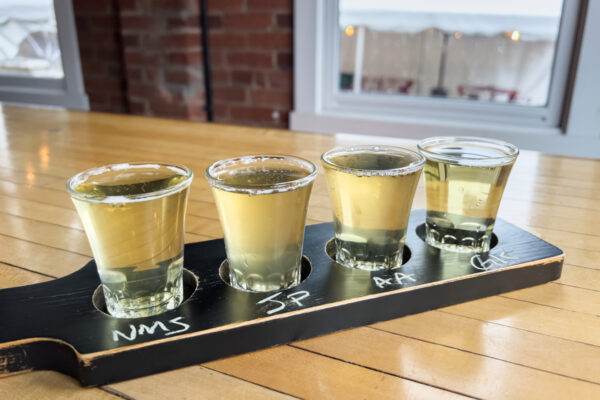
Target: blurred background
x=309, y=64
x=28, y=40
x=480, y=50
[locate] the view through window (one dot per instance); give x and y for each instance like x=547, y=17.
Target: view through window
x=28, y=39
x=496, y=51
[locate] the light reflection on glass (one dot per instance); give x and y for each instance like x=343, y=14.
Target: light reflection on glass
x=521, y=187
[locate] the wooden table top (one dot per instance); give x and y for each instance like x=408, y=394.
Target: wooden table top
x=541, y=342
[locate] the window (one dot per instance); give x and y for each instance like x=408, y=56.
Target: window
x=507, y=69
x=28, y=40
x=501, y=52
x=39, y=59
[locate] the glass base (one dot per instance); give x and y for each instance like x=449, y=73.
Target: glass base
x=458, y=240
x=255, y=282
x=368, y=256
x=144, y=306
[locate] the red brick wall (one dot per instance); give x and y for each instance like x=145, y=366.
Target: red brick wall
x=251, y=60
x=163, y=57
x=99, y=39
x=156, y=58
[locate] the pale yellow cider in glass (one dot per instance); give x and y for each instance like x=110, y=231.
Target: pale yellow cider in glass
x=370, y=207
x=263, y=226
x=463, y=199
x=137, y=242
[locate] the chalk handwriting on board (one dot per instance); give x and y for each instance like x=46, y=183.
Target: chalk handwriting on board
x=296, y=297
x=397, y=279
x=293, y=297
x=499, y=260
x=175, y=326
x=271, y=298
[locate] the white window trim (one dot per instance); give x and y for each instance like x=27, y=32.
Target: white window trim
x=315, y=110
x=69, y=91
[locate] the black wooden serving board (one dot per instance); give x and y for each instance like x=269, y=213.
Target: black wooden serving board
x=56, y=325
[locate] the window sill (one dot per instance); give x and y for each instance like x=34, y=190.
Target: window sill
x=546, y=140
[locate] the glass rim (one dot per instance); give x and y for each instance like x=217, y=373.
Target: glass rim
x=81, y=176
x=511, y=151
x=405, y=170
x=261, y=188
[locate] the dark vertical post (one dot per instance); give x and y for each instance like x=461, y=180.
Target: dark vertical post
x=444, y=56
x=439, y=90
x=206, y=62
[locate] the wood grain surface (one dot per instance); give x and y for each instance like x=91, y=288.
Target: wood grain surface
x=541, y=342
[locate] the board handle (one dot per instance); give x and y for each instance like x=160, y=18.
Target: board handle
x=38, y=354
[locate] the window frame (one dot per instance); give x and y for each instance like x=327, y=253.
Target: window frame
x=556, y=128
x=68, y=91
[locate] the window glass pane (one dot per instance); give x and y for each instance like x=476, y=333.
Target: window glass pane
x=28, y=39
x=494, y=50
